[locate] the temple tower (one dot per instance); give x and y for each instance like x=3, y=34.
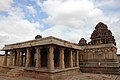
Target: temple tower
x=100, y=55
x=101, y=35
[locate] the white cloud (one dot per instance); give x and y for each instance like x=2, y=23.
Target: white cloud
x=32, y=10
x=74, y=15
x=15, y=28
x=5, y=5
x=38, y=2
x=64, y=32
x=77, y=18
x=107, y=4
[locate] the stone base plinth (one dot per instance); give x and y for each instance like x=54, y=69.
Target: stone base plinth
x=41, y=74
x=4, y=69
x=110, y=66
x=101, y=70
x=50, y=75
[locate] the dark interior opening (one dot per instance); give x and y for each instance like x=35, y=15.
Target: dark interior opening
x=103, y=41
x=66, y=58
x=75, y=59
x=43, y=57
x=15, y=58
x=23, y=50
x=32, y=59
x=56, y=57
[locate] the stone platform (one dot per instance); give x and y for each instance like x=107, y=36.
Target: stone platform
x=42, y=74
x=106, y=66
x=101, y=70
x=50, y=75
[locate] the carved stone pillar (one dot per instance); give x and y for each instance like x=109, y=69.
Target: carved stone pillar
x=25, y=58
x=28, y=55
x=11, y=59
x=38, y=61
x=77, y=58
x=21, y=59
x=51, y=58
x=15, y=58
x=18, y=57
x=62, y=64
x=70, y=59
x=5, y=58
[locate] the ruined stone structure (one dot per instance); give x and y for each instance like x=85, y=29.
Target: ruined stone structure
x=101, y=35
x=100, y=53
x=47, y=58
x=51, y=58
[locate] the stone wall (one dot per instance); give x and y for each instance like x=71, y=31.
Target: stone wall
x=118, y=56
x=98, y=54
x=99, y=59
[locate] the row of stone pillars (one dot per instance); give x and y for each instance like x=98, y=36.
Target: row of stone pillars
x=18, y=61
x=51, y=58
x=13, y=60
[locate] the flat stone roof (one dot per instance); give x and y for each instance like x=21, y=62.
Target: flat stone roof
x=52, y=41
x=42, y=41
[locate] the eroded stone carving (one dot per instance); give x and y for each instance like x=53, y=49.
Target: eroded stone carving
x=101, y=35
x=82, y=42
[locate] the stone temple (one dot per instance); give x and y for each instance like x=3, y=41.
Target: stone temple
x=51, y=58
x=99, y=55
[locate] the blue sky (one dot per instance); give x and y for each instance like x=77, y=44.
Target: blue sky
x=21, y=20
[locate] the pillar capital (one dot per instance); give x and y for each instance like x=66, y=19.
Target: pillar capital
x=61, y=48
x=38, y=47
x=50, y=46
x=18, y=50
x=28, y=48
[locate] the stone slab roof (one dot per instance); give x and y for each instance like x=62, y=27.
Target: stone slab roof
x=42, y=41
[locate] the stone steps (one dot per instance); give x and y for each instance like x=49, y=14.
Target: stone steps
x=15, y=72
x=103, y=70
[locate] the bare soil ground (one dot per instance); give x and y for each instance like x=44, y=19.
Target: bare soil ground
x=80, y=76
x=91, y=76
